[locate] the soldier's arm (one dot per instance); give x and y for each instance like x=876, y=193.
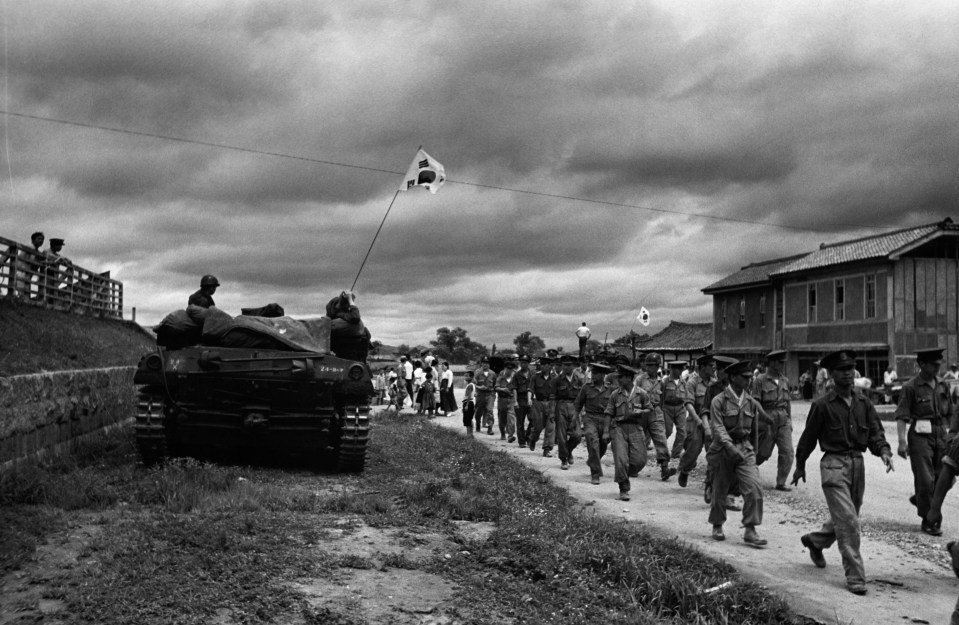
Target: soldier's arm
x=903, y=417
x=877, y=435
x=810, y=436
x=580, y=400
x=717, y=426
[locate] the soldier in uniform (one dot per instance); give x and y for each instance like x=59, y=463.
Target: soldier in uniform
x=542, y=419
x=844, y=423
x=734, y=418
x=697, y=420
x=204, y=297
x=563, y=391
x=924, y=414
x=592, y=400
x=628, y=407
x=520, y=386
x=772, y=390
x=654, y=425
x=675, y=403
x=714, y=389
x=485, y=380
x=504, y=402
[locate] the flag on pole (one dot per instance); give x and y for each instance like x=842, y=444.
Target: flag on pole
x=424, y=171
x=643, y=316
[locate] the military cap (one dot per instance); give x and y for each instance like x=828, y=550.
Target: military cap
x=929, y=355
x=599, y=367
x=675, y=363
x=552, y=353
x=738, y=367
x=838, y=359
x=776, y=354
x=623, y=371
x=523, y=358
x=653, y=359
x=724, y=361
x=703, y=361
x=567, y=359
x=484, y=359
x=56, y=241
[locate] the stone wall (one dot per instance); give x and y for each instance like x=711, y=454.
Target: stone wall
x=42, y=411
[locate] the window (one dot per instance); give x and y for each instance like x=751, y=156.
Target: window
x=840, y=299
x=870, y=297
x=742, y=312
x=811, y=299
x=722, y=312
x=762, y=311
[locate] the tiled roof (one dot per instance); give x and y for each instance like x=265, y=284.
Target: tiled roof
x=752, y=274
x=678, y=336
x=879, y=246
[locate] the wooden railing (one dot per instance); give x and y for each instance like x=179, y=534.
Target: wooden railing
x=54, y=282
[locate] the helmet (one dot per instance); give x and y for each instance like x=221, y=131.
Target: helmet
x=653, y=359
x=209, y=281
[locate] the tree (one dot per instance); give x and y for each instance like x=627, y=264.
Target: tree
x=627, y=339
x=375, y=347
x=403, y=349
x=528, y=343
x=456, y=346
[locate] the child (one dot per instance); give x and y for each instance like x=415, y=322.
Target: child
x=428, y=399
x=469, y=406
x=393, y=393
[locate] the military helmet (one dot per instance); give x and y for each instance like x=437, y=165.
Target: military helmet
x=653, y=359
x=209, y=280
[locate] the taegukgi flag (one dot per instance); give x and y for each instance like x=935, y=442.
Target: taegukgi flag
x=643, y=316
x=424, y=171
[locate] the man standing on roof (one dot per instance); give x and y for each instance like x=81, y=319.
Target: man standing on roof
x=772, y=390
x=204, y=297
x=583, y=334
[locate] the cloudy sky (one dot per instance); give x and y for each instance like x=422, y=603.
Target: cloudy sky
x=601, y=156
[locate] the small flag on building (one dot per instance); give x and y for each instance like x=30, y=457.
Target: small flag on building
x=643, y=316
x=424, y=171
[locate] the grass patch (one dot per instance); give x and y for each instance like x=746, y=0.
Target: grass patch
x=188, y=538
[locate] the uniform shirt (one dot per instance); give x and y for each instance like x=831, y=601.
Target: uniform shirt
x=503, y=384
x=564, y=389
x=713, y=389
x=840, y=428
x=200, y=299
x=520, y=385
x=674, y=392
x=772, y=393
x=733, y=419
x=654, y=388
x=483, y=379
x=540, y=384
x=594, y=399
x=926, y=399
x=628, y=407
x=696, y=390
x=580, y=375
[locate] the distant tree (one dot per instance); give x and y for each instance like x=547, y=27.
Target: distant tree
x=528, y=343
x=456, y=346
x=403, y=349
x=627, y=339
x=593, y=346
x=375, y=347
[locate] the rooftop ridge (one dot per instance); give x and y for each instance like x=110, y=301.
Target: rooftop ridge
x=936, y=224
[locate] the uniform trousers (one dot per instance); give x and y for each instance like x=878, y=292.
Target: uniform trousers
x=926, y=452
x=594, y=427
x=506, y=418
x=567, y=429
x=654, y=427
x=692, y=445
x=484, y=410
x=843, y=484
x=728, y=468
x=779, y=435
x=675, y=418
x=522, y=426
x=542, y=420
x=629, y=451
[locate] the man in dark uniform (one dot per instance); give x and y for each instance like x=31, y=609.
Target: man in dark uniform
x=520, y=385
x=772, y=390
x=485, y=380
x=592, y=399
x=924, y=414
x=697, y=420
x=542, y=418
x=628, y=407
x=204, y=297
x=563, y=391
x=675, y=401
x=734, y=418
x=844, y=423
x=654, y=425
x=715, y=388
x=504, y=402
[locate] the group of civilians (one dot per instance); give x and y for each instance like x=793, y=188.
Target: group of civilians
x=427, y=384
x=39, y=273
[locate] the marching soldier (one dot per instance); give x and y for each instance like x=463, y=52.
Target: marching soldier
x=506, y=419
x=924, y=413
x=592, y=399
x=772, y=390
x=485, y=380
x=521, y=406
x=542, y=418
x=698, y=431
x=563, y=391
x=628, y=407
x=844, y=424
x=734, y=418
x=675, y=403
x=654, y=425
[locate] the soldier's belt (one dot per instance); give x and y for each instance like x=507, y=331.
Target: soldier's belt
x=674, y=402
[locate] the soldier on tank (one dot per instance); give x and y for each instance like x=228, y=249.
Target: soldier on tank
x=204, y=297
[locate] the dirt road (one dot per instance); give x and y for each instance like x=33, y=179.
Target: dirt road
x=909, y=580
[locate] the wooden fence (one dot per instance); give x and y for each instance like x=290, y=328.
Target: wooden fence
x=54, y=282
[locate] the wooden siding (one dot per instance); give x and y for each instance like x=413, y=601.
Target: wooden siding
x=926, y=307
x=855, y=298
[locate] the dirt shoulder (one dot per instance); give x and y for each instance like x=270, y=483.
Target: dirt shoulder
x=909, y=576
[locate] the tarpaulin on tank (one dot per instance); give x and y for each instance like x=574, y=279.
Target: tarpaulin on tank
x=281, y=333
x=270, y=310
x=178, y=330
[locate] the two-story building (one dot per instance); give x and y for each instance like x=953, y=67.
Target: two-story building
x=884, y=296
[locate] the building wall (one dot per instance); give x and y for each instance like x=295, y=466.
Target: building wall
x=758, y=333
x=925, y=304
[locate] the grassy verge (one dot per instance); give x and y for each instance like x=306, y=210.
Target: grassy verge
x=181, y=541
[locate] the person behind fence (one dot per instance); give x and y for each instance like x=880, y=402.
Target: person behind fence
x=844, y=424
x=58, y=270
x=29, y=267
x=204, y=296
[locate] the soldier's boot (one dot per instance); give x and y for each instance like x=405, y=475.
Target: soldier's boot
x=469, y=431
x=665, y=471
x=751, y=538
x=683, y=479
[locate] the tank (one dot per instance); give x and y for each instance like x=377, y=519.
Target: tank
x=201, y=400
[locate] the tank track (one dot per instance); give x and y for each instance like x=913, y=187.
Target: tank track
x=354, y=436
x=150, y=429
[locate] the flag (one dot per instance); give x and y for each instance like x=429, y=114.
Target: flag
x=643, y=316
x=424, y=171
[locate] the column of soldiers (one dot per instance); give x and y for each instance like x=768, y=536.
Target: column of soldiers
x=737, y=421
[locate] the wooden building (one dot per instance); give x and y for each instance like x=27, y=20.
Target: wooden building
x=677, y=341
x=884, y=296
